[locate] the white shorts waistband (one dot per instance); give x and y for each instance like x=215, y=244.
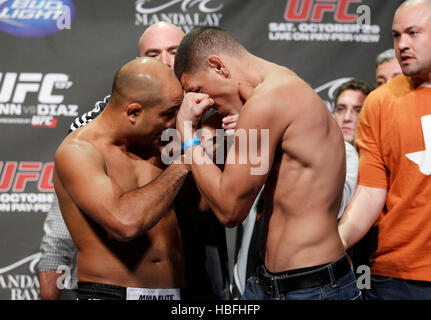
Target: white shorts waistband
x=152, y=294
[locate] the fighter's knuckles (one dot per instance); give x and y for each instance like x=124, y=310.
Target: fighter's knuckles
x=199, y=97
x=206, y=102
x=189, y=101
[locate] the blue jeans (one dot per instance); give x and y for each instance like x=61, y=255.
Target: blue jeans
x=386, y=288
x=343, y=288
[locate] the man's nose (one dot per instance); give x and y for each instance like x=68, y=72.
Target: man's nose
x=167, y=58
x=348, y=115
x=402, y=43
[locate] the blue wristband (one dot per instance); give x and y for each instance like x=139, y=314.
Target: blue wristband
x=191, y=142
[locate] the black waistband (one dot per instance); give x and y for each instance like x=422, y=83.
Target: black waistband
x=100, y=291
x=294, y=271
x=292, y=280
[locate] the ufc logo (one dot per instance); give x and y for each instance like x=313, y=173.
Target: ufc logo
x=44, y=121
x=27, y=171
x=16, y=86
x=314, y=10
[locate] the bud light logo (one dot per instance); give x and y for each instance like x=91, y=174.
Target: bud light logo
x=35, y=18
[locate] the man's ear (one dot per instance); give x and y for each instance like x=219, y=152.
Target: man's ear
x=215, y=63
x=133, y=110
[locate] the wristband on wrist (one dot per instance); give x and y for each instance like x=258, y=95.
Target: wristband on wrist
x=191, y=142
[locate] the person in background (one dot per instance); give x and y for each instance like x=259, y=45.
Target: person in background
x=349, y=98
x=394, y=185
x=58, y=254
x=387, y=67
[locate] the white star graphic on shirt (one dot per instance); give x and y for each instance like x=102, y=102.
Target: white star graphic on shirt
x=423, y=158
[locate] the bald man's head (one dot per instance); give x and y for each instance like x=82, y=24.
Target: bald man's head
x=145, y=97
x=411, y=31
x=140, y=80
x=408, y=3
x=160, y=41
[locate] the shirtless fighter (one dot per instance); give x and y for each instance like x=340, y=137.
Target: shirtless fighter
x=114, y=197
x=303, y=254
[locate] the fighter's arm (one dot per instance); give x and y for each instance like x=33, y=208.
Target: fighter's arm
x=361, y=213
x=212, y=125
x=81, y=169
x=231, y=192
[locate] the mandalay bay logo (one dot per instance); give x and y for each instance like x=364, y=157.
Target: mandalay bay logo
x=17, y=282
x=185, y=14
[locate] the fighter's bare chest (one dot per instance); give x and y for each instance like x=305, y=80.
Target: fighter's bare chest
x=131, y=172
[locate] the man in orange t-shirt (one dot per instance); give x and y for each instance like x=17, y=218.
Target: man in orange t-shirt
x=394, y=184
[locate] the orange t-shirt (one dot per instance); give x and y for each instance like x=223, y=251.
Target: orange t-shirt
x=394, y=128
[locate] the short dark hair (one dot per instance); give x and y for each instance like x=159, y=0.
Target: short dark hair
x=198, y=44
x=353, y=84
